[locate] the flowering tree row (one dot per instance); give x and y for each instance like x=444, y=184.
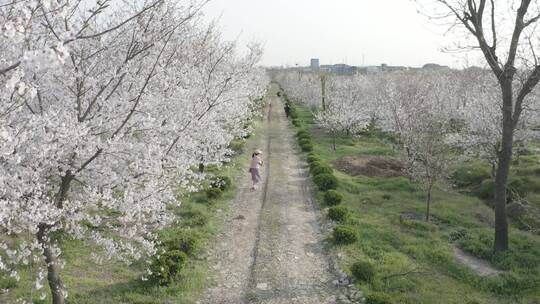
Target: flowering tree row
x=429, y=112
x=105, y=109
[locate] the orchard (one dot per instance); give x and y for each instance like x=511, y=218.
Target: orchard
x=104, y=110
x=127, y=129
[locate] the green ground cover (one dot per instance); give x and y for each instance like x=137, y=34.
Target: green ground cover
x=399, y=258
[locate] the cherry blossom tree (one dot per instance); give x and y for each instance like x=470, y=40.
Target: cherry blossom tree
x=349, y=105
x=480, y=117
x=302, y=87
x=104, y=109
x=418, y=109
x=506, y=35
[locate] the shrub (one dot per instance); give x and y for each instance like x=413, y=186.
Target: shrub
x=470, y=175
x=180, y=239
x=304, y=137
x=175, y=247
x=363, y=271
x=7, y=282
x=523, y=185
x=305, y=141
x=322, y=170
x=192, y=217
x=379, y=298
x=317, y=163
x=166, y=266
x=332, y=198
x=312, y=157
x=517, y=186
x=303, y=133
x=344, y=235
x=459, y=234
x=221, y=182
x=486, y=190
x=213, y=193
x=296, y=123
x=338, y=213
x=294, y=113
x=306, y=147
x=325, y=181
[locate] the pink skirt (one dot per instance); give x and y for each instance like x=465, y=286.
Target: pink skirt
x=255, y=175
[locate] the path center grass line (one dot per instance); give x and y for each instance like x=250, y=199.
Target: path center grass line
x=252, y=281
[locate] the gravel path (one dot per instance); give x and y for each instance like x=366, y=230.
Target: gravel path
x=269, y=250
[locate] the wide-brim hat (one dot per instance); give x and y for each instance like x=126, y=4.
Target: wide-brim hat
x=258, y=151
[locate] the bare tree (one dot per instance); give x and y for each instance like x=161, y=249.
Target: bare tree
x=504, y=31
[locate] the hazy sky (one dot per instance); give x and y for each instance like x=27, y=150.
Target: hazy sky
x=336, y=31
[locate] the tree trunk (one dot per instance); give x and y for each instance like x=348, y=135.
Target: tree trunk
x=53, y=269
x=323, y=91
x=428, y=202
x=334, y=142
x=503, y=169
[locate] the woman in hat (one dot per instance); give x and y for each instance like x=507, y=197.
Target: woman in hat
x=254, y=168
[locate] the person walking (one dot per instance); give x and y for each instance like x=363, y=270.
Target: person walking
x=287, y=110
x=254, y=168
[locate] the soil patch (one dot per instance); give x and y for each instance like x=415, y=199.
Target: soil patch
x=377, y=166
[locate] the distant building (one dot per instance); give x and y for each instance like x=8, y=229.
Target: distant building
x=314, y=64
x=340, y=69
x=434, y=66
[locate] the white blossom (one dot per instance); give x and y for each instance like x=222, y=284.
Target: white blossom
x=103, y=118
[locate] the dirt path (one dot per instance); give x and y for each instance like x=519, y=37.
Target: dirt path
x=481, y=267
x=269, y=250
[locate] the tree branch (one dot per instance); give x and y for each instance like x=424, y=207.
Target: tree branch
x=114, y=27
x=9, y=68
x=527, y=87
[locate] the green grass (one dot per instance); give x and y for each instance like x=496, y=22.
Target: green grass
x=113, y=282
x=413, y=259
